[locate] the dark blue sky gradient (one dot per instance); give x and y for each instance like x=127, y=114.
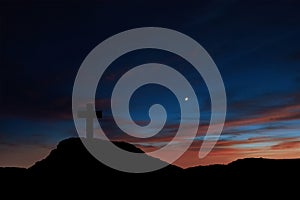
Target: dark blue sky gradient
x=255, y=45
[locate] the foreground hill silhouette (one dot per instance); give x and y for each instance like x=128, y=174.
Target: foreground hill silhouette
x=71, y=157
x=71, y=164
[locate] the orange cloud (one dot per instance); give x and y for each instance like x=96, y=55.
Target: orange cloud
x=229, y=150
x=276, y=114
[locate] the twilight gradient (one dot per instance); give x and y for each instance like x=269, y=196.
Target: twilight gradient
x=255, y=44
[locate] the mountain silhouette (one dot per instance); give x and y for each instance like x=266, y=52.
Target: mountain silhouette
x=71, y=164
x=71, y=157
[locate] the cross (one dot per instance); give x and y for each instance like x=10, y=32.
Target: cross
x=88, y=114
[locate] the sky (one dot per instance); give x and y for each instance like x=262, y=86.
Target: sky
x=255, y=45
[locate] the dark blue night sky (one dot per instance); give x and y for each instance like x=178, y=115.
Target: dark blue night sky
x=255, y=45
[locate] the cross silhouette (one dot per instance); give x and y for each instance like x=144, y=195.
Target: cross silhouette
x=88, y=114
